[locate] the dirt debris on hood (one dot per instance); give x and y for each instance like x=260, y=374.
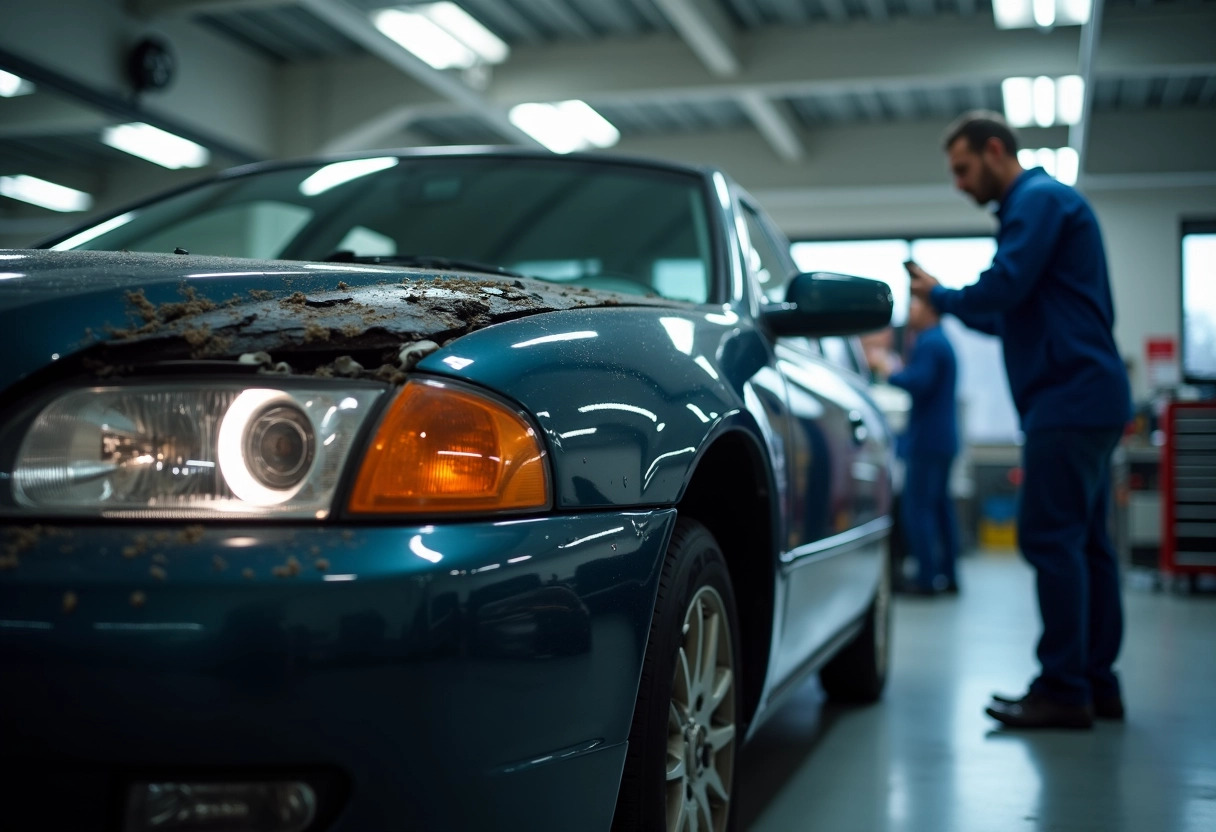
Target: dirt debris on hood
x=410, y=354
x=19, y=539
x=385, y=325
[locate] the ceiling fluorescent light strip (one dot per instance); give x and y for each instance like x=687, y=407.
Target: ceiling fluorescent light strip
x=1018, y=94
x=1044, y=13
x=1043, y=101
x=419, y=35
x=466, y=29
x=1070, y=99
x=566, y=126
x=1062, y=163
x=156, y=145
x=1024, y=14
x=44, y=194
x=12, y=85
x=442, y=35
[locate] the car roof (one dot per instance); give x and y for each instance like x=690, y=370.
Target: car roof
x=472, y=151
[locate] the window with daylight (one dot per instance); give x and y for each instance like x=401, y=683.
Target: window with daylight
x=987, y=408
x=1199, y=302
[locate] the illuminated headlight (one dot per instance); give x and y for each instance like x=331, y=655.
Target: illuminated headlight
x=189, y=450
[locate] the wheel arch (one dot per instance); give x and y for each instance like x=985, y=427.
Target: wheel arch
x=731, y=494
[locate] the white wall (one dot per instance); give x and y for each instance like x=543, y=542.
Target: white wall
x=1143, y=243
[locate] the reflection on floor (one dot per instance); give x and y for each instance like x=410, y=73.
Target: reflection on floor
x=928, y=760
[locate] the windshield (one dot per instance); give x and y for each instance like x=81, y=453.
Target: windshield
x=630, y=229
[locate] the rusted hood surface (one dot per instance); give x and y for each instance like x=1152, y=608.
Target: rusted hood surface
x=130, y=306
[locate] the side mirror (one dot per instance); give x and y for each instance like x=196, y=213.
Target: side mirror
x=819, y=304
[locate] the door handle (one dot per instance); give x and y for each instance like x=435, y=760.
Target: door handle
x=858, y=422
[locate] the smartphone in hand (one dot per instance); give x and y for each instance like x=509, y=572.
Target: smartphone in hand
x=909, y=264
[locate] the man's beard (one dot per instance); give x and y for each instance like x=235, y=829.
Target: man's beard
x=989, y=187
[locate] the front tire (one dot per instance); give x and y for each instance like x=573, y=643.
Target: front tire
x=680, y=766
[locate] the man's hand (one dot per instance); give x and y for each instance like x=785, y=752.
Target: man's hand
x=922, y=281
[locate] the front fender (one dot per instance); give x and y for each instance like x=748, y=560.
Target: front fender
x=628, y=397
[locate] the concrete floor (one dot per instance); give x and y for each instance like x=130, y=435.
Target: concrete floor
x=928, y=758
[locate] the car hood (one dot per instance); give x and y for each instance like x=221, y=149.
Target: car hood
x=130, y=308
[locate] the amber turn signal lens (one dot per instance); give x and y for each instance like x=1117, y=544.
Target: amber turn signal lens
x=442, y=448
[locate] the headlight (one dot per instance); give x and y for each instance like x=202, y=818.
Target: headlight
x=189, y=450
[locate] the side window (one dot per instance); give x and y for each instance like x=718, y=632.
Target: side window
x=763, y=260
x=840, y=352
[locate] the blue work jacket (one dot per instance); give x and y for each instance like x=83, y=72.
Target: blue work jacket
x=1047, y=295
x=930, y=376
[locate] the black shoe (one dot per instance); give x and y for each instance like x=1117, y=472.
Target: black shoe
x=913, y=588
x=1036, y=711
x=1109, y=707
x=951, y=588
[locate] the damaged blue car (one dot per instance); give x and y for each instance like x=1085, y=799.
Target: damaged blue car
x=435, y=490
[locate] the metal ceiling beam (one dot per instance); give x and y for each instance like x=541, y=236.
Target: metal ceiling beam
x=776, y=123
x=356, y=26
x=707, y=31
x=1078, y=134
x=36, y=116
x=711, y=36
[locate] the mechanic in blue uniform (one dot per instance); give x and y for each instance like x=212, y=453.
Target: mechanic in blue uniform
x=1047, y=296
x=929, y=446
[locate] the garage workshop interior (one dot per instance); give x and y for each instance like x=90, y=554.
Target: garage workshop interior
x=607, y=415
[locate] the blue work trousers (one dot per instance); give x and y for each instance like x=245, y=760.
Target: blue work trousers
x=1062, y=531
x=930, y=530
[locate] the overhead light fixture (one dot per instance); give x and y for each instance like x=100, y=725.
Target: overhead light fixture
x=1044, y=14
x=1070, y=99
x=339, y=173
x=1063, y=163
x=1043, y=101
x=566, y=126
x=12, y=85
x=1044, y=94
x=156, y=145
x=44, y=194
x=443, y=35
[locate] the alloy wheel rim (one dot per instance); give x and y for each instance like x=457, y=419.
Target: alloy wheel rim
x=701, y=720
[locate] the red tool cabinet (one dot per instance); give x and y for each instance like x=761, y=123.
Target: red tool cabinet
x=1188, y=491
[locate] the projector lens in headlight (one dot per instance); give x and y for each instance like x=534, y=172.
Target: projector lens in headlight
x=279, y=446
x=190, y=450
x=267, y=444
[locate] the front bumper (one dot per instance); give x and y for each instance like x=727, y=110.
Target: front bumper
x=466, y=676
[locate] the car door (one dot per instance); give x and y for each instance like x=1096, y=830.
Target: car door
x=835, y=477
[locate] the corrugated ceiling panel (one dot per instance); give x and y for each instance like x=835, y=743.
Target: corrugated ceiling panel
x=649, y=119
x=457, y=130
x=1164, y=92
x=876, y=106
x=283, y=33
x=756, y=13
